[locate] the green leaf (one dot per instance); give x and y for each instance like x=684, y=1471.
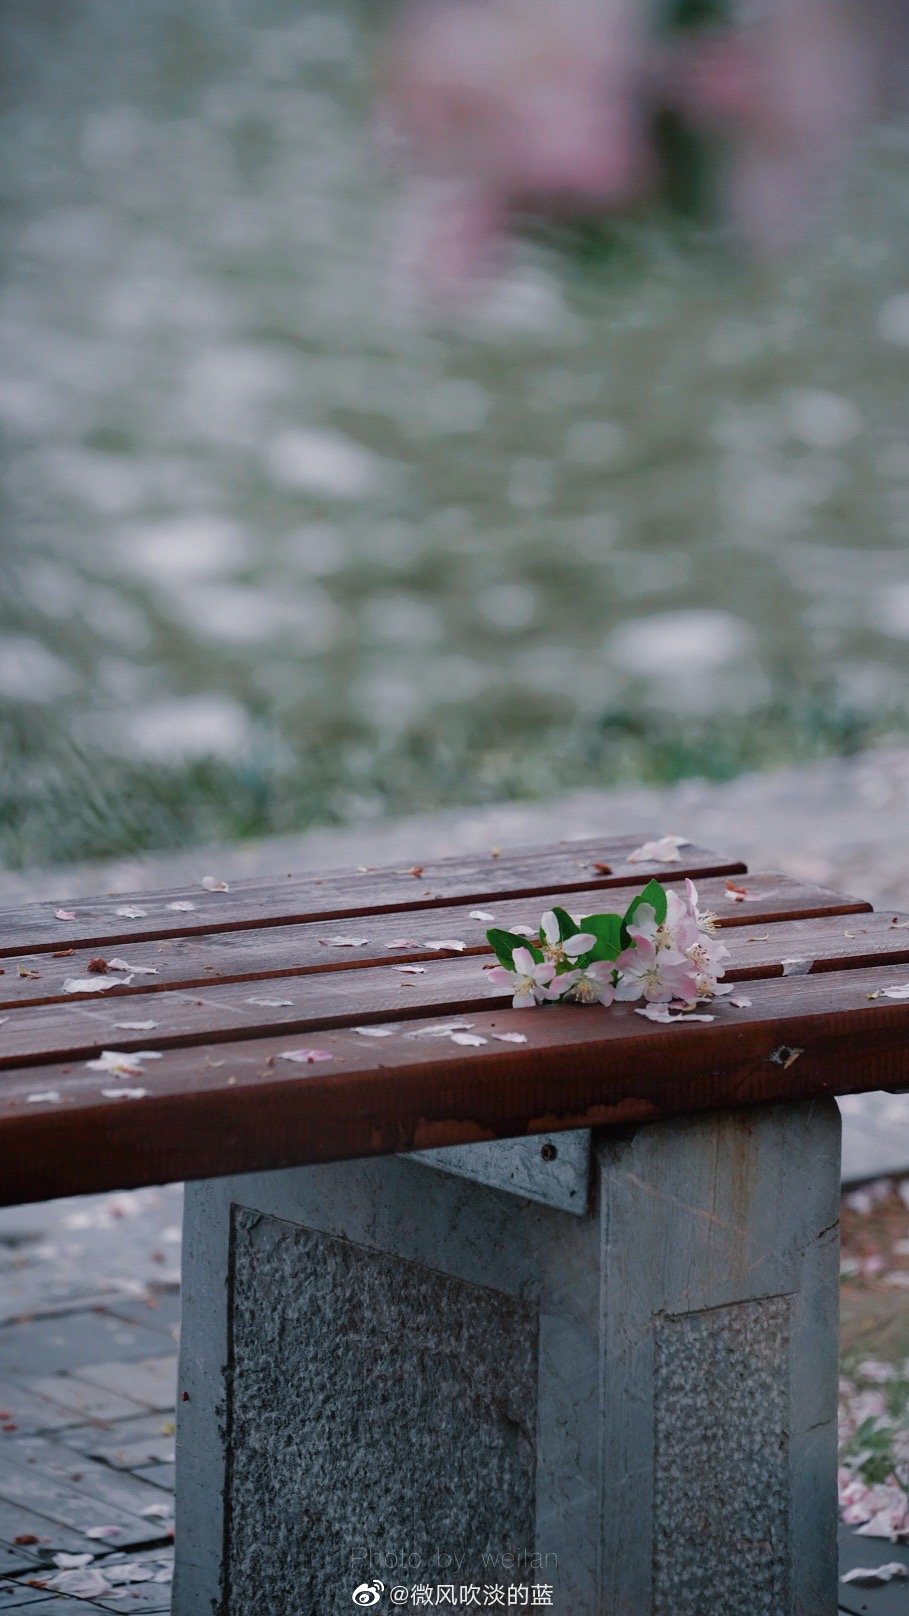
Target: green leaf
x=504, y=943
x=653, y=894
x=607, y=929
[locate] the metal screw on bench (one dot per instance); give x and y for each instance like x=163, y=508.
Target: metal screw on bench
x=548, y=1151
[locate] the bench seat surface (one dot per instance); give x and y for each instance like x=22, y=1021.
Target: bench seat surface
x=229, y=982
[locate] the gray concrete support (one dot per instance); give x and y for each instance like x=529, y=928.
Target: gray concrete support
x=390, y=1370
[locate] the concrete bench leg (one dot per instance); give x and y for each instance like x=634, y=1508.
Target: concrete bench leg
x=390, y=1370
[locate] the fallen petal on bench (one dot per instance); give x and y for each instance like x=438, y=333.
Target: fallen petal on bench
x=124, y=1094
x=659, y=1012
x=344, y=942
x=93, y=984
x=898, y=991
x=452, y=943
x=665, y=850
x=305, y=1057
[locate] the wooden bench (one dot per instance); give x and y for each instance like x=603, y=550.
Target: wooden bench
x=473, y=1312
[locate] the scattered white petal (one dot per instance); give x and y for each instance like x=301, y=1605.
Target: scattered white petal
x=119, y=1064
x=898, y=991
x=665, y=850
x=124, y=1094
x=64, y=914
x=344, y=942
x=412, y=970
x=71, y=1562
x=404, y=942
x=524, y=931
x=3, y=1019
x=102, y=1534
x=210, y=883
x=182, y=905
x=482, y=914
x=722, y=990
x=376, y=1032
x=899, y=1279
x=84, y=1583
x=45, y=1097
x=510, y=1037
x=129, y=1571
x=157, y=1512
x=134, y=970
x=272, y=1004
x=740, y=1001
x=660, y=1013
x=797, y=967
x=449, y=944
x=129, y=911
x=440, y=1029
x=94, y=984
x=136, y=1026
x=876, y=1576
x=306, y=1057
x=471, y=1039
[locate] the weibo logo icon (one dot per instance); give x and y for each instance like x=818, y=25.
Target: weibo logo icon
x=368, y=1593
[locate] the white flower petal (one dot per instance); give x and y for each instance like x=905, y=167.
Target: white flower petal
x=482, y=914
x=94, y=984
x=665, y=850
x=272, y=1004
x=210, y=883
x=134, y=970
x=64, y=914
x=344, y=942
x=136, y=1026
x=124, y=1094
x=412, y=970
x=306, y=1057
x=471, y=1039
x=376, y=1032
x=182, y=905
x=129, y=911
x=510, y=1037
x=45, y=1097
x=448, y=944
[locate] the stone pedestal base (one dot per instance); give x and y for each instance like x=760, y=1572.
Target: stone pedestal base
x=616, y=1382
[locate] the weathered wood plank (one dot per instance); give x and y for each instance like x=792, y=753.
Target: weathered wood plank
x=572, y=865
x=223, y=1109
x=303, y=1003
x=402, y=936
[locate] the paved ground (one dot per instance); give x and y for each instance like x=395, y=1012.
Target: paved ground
x=89, y=1321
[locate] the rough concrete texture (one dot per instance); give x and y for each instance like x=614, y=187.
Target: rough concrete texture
x=721, y=1461
x=372, y=1401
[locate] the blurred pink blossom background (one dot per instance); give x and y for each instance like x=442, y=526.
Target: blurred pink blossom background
x=498, y=108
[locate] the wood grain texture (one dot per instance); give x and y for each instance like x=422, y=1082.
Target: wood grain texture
x=569, y=866
x=235, y=1108
x=224, y=1012
x=271, y=951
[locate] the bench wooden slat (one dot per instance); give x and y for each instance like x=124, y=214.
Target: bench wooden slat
x=239, y=1107
x=472, y=878
x=80, y=1029
x=187, y=961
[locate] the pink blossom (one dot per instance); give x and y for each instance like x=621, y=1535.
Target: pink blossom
x=592, y=985
x=529, y=982
x=656, y=974
x=559, y=951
